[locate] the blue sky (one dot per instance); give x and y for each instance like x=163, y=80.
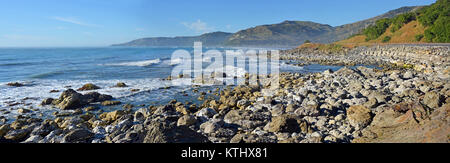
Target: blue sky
x=66, y=23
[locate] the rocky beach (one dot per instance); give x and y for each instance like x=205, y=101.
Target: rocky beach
x=405, y=98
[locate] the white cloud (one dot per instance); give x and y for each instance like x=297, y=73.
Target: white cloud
x=74, y=21
x=198, y=26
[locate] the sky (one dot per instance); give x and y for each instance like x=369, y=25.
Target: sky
x=78, y=23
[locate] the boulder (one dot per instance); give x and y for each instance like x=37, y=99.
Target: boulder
x=47, y=101
x=33, y=139
x=96, y=97
x=15, y=84
x=206, y=113
x=359, y=116
x=233, y=117
x=45, y=128
x=211, y=126
x=166, y=132
x=186, y=120
x=411, y=126
x=17, y=135
x=88, y=87
x=121, y=84
x=23, y=111
x=4, y=129
x=288, y=123
x=110, y=103
x=432, y=99
x=112, y=116
x=70, y=99
x=78, y=136
x=309, y=110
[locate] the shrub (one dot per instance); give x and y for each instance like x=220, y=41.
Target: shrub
x=436, y=18
x=429, y=36
x=386, y=39
x=375, y=31
x=401, y=20
x=419, y=37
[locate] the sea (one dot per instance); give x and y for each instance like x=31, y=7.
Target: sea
x=46, y=72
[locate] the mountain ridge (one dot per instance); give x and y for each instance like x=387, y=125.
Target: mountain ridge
x=284, y=34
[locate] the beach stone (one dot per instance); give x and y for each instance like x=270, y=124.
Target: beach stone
x=309, y=110
x=23, y=111
x=233, y=117
x=206, y=113
x=78, y=136
x=95, y=97
x=128, y=106
x=18, y=124
x=4, y=129
x=186, y=120
x=371, y=103
x=408, y=75
x=110, y=103
x=210, y=127
x=47, y=101
x=112, y=116
x=15, y=84
x=70, y=99
x=45, y=128
x=141, y=114
x=328, y=72
x=432, y=99
x=182, y=109
x=359, y=116
x=238, y=138
x=90, y=108
x=166, y=132
x=121, y=85
x=88, y=87
x=33, y=139
x=17, y=135
x=287, y=123
x=356, y=86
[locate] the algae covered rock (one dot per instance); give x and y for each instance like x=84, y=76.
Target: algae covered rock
x=88, y=87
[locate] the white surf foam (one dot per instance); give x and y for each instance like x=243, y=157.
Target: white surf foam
x=137, y=63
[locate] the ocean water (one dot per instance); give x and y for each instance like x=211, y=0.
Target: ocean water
x=45, y=69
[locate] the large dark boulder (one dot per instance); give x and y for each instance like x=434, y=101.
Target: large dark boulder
x=78, y=136
x=70, y=99
x=166, y=132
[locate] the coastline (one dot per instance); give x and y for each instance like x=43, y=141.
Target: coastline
x=411, y=93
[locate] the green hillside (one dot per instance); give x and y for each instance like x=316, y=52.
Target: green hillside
x=429, y=24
